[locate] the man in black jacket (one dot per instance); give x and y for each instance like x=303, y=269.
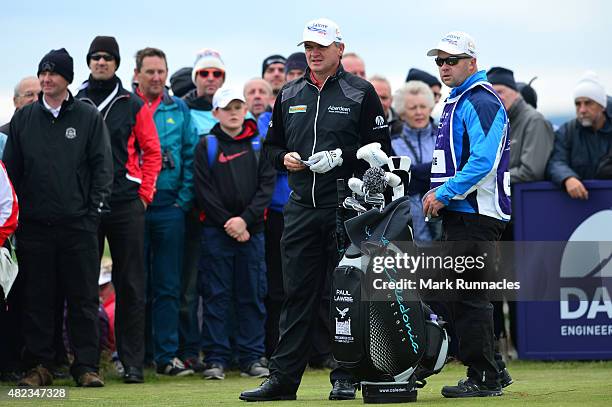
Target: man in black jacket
x=324, y=118
x=59, y=159
x=137, y=162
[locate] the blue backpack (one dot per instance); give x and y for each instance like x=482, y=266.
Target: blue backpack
x=212, y=145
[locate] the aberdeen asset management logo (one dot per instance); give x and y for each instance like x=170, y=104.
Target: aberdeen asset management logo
x=379, y=122
x=339, y=109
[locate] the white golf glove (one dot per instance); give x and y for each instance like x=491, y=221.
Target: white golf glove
x=323, y=161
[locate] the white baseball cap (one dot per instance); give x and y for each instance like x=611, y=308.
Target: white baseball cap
x=455, y=43
x=322, y=31
x=224, y=96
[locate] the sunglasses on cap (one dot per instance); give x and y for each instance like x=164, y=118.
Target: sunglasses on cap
x=107, y=58
x=214, y=72
x=450, y=61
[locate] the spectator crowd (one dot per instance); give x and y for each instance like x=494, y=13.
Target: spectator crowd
x=167, y=172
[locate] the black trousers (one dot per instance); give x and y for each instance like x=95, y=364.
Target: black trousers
x=309, y=255
x=276, y=293
x=50, y=256
x=320, y=337
x=498, y=314
x=472, y=316
x=124, y=230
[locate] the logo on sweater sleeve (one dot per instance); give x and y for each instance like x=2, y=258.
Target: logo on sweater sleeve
x=379, y=123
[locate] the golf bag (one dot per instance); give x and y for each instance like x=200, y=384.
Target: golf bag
x=392, y=344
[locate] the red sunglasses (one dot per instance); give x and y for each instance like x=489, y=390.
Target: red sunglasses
x=214, y=72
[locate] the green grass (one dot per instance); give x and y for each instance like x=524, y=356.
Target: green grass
x=536, y=384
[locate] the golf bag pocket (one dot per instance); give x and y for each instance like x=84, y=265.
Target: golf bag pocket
x=435, y=351
x=347, y=316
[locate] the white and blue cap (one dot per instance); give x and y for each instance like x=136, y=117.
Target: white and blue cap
x=224, y=96
x=322, y=31
x=455, y=43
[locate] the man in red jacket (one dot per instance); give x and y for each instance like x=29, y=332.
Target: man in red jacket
x=137, y=162
x=9, y=209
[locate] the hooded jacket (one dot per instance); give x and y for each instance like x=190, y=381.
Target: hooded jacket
x=237, y=183
x=134, y=142
x=578, y=151
x=177, y=140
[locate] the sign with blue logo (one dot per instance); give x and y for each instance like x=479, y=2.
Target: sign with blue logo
x=579, y=325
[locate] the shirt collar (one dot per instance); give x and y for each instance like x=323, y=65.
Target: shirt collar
x=54, y=112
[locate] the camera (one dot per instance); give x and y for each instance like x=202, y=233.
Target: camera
x=167, y=160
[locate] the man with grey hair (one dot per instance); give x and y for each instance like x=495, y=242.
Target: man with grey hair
x=26, y=92
x=531, y=135
x=354, y=64
x=531, y=141
x=258, y=95
x=383, y=89
x=581, y=143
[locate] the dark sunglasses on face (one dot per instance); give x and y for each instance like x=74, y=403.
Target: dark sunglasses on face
x=214, y=72
x=107, y=58
x=450, y=61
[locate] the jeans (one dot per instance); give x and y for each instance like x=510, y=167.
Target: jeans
x=163, y=247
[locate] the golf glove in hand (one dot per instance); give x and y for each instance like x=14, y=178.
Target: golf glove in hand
x=323, y=161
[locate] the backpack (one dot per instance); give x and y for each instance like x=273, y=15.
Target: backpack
x=212, y=146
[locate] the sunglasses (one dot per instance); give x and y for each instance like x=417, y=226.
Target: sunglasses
x=450, y=61
x=214, y=72
x=107, y=58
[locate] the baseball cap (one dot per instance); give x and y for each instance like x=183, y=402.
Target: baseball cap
x=455, y=43
x=322, y=31
x=224, y=97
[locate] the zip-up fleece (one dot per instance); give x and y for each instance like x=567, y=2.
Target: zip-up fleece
x=237, y=183
x=346, y=113
x=178, y=139
x=133, y=140
x=201, y=113
x=61, y=167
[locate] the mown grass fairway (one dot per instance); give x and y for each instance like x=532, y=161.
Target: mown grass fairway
x=536, y=384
